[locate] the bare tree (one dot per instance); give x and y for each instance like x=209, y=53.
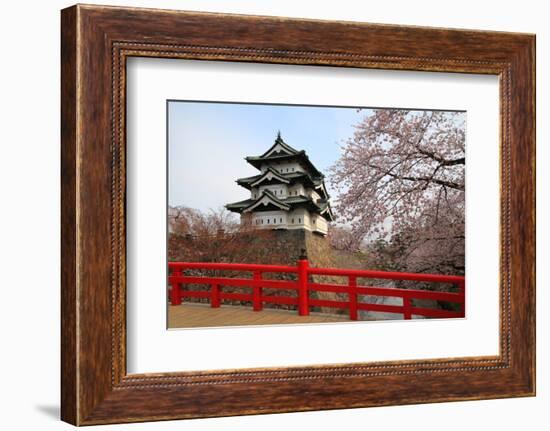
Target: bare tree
x=218, y=236
x=188, y=221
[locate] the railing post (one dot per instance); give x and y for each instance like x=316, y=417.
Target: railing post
x=175, y=293
x=407, y=308
x=257, y=292
x=352, y=297
x=461, y=289
x=215, y=296
x=303, y=294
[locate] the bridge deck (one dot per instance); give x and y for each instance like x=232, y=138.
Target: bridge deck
x=193, y=315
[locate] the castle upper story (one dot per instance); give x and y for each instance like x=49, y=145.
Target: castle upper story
x=289, y=192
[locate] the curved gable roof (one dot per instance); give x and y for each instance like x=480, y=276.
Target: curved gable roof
x=268, y=175
x=267, y=198
x=323, y=188
x=278, y=147
x=300, y=156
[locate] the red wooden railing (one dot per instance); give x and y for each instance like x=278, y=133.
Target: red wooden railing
x=304, y=286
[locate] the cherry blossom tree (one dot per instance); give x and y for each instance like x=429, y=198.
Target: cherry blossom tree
x=401, y=183
x=343, y=238
x=184, y=220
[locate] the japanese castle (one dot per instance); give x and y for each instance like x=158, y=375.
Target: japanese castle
x=288, y=193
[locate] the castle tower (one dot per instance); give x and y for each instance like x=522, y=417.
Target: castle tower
x=288, y=193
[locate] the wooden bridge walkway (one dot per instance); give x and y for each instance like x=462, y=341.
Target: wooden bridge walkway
x=194, y=315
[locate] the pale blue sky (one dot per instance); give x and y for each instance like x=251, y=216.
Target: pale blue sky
x=207, y=143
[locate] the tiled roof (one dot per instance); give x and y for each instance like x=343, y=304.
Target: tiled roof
x=291, y=202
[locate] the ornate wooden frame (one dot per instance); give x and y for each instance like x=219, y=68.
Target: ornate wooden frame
x=96, y=41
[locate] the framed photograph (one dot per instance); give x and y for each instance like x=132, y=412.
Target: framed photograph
x=298, y=231
x=322, y=214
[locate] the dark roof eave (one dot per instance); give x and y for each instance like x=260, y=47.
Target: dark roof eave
x=272, y=198
x=277, y=175
x=291, y=178
x=238, y=206
x=327, y=211
x=257, y=161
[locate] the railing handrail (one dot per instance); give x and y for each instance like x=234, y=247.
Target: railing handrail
x=359, y=273
x=388, y=275
x=232, y=266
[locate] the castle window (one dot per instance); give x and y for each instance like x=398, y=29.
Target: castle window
x=299, y=220
x=281, y=220
x=267, y=221
x=262, y=221
x=274, y=221
x=292, y=221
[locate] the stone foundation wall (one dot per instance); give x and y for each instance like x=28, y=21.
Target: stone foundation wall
x=319, y=254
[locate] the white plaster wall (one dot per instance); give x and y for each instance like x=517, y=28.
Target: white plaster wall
x=313, y=194
x=319, y=224
x=279, y=190
x=298, y=188
x=297, y=219
x=275, y=218
x=287, y=168
x=284, y=167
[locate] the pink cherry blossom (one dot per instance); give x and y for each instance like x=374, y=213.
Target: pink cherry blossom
x=401, y=184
